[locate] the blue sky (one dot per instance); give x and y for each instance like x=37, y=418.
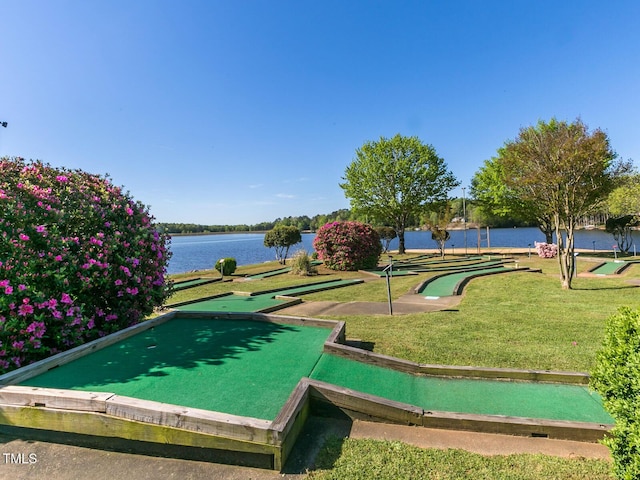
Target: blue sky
x=242, y=111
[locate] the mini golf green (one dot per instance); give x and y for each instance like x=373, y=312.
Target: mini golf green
x=234, y=303
x=260, y=301
x=609, y=268
x=241, y=367
x=249, y=368
x=196, y=282
x=445, y=285
x=484, y=397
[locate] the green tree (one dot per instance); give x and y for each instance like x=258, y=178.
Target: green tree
x=282, y=237
x=620, y=228
x=495, y=198
x=386, y=235
x=437, y=222
x=394, y=179
x=565, y=171
x=625, y=200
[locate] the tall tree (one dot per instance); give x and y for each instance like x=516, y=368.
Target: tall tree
x=489, y=188
x=566, y=171
x=394, y=179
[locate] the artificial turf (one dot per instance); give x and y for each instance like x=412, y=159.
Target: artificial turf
x=241, y=367
x=483, y=397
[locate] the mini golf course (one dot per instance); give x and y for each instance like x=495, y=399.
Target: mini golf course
x=265, y=301
x=215, y=375
x=245, y=383
x=194, y=282
x=452, y=283
x=610, y=268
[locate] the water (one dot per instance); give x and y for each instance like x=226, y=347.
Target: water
x=200, y=252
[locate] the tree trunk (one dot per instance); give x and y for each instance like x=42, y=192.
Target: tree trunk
x=400, y=230
x=563, y=261
x=547, y=229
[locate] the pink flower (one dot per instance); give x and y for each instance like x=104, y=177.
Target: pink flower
x=66, y=299
x=24, y=237
x=62, y=178
x=41, y=229
x=25, y=310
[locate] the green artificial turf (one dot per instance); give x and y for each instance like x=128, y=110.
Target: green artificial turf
x=445, y=285
x=233, y=303
x=608, y=268
x=240, y=367
x=482, y=397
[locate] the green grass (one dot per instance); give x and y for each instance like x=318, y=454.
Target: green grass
x=386, y=460
x=518, y=320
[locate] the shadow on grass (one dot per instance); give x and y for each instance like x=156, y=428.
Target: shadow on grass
x=594, y=288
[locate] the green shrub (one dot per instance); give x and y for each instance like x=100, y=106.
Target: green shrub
x=348, y=245
x=616, y=377
x=229, y=265
x=301, y=264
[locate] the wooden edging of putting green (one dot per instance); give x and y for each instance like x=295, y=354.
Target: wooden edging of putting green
x=360, y=405
x=365, y=356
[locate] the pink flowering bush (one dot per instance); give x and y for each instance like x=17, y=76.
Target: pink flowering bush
x=546, y=250
x=348, y=245
x=79, y=259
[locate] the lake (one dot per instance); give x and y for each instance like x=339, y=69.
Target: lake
x=200, y=252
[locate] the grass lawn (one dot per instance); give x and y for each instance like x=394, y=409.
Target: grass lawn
x=385, y=460
x=519, y=320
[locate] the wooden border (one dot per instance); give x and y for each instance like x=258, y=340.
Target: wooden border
x=385, y=361
x=364, y=406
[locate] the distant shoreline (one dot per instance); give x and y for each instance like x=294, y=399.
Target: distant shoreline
x=218, y=233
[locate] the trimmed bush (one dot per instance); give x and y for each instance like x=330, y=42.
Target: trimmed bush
x=348, y=245
x=229, y=265
x=616, y=377
x=79, y=259
x=301, y=264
